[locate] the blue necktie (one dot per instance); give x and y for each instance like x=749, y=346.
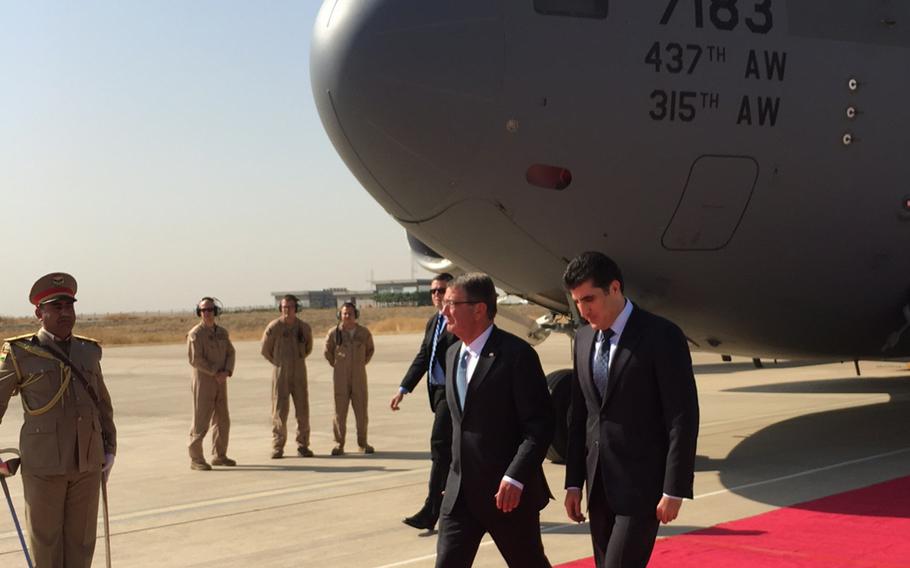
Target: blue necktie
x=461, y=377
x=601, y=364
x=440, y=323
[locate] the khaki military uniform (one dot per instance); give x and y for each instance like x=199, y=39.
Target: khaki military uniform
x=63, y=443
x=286, y=347
x=348, y=354
x=210, y=350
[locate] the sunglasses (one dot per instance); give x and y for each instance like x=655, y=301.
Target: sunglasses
x=437, y=290
x=206, y=309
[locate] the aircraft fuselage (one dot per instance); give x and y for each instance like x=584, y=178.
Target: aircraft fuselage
x=742, y=161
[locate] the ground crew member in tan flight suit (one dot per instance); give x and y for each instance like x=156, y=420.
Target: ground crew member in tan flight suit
x=211, y=355
x=286, y=343
x=68, y=439
x=348, y=349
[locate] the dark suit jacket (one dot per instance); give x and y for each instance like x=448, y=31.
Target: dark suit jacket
x=642, y=435
x=505, y=428
x=422, y=360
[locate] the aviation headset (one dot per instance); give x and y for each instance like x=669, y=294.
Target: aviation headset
x=348, y=305
x=219, y=307
x=291, y=298
x=339, y=337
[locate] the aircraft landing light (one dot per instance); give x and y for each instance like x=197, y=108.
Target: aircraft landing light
x=549, y=177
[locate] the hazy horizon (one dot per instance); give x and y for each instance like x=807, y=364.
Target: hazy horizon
x=160, y=152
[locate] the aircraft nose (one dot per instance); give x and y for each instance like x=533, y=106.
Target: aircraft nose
x=407, y=90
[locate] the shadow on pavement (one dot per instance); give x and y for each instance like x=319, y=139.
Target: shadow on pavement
x=819, y=441
x=735, y=367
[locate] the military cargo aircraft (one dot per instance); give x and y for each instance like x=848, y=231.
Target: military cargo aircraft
x=743, y=161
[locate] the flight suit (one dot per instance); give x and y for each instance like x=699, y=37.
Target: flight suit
x=348, y=354
x=210, y=350
x=63, y=443
x=286, y=347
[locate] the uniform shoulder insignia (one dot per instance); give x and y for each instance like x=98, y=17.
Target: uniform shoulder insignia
x=5, y=348
x=89, y=339
x=18, y=337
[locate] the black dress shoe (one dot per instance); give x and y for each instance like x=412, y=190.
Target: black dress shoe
x=420, y=522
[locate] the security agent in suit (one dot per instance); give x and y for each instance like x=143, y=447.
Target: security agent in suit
x=633, y=418
x=68, y=438
x=502, y=424
x=430, y=360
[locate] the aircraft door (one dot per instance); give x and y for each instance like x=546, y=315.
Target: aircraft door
x=713, y=203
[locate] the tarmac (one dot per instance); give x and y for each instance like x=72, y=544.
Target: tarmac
x=769, y=438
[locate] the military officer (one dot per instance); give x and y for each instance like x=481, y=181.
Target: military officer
x=286, y=343
x=211, y=355
x=348, y=349
x=68, y=439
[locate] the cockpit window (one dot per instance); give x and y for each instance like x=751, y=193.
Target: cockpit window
x=573, y=8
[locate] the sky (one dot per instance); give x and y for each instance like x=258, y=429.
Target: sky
x=163, y=151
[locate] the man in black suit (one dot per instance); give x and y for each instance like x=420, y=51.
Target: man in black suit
x=633, y=419
x=430, y=359
x=502, y=421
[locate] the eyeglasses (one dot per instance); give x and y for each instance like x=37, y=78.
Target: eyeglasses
x=437, y=290
x=206, y=309
x=451, y=303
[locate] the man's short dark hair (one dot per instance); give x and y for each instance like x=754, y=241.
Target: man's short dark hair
x=594, y=266
x=478, y=287
x=291, y=298
x=443, y=277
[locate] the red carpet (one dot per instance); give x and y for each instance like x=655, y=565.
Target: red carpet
x=864, y=528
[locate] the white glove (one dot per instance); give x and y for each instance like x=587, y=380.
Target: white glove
x=108, y=465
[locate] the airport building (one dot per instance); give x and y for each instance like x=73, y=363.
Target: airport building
x=312, y=298
x=413, y=286
x=413, y=292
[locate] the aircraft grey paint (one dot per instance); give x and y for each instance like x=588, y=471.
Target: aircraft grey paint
x=743, y=161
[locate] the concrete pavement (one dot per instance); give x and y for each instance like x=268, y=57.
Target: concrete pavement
x=769, y=438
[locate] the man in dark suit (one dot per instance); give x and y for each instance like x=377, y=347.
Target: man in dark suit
x=633, y=419
x=502, y=420
x=430, y=360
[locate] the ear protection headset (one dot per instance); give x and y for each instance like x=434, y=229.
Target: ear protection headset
x=348, y=305
x=291, y=298
x=219, y=307
x=339, y=337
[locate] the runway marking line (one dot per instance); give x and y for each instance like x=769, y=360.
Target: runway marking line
x=250, y=497
x=487, y=540
x=329, y=484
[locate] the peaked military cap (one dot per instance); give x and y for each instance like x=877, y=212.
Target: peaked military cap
x=51, y=287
